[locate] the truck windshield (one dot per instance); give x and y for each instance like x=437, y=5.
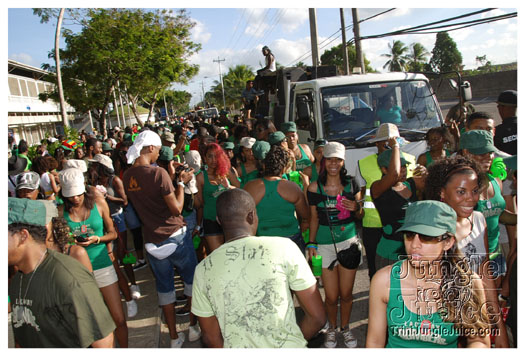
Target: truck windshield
x=352, y=112
x=206, y=113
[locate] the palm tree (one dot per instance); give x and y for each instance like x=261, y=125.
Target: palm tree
x=417, y=57
x=234, y=83
x=397, y=61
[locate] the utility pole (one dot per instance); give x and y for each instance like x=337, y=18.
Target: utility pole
x=65, y=120
x=357, y=36
x=222, y=84
x=345, y=51
x=116, y=106
x=313, y=37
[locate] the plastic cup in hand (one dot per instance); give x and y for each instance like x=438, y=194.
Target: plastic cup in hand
x=317, y=265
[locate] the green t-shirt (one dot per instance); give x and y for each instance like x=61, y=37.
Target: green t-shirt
x=58, y=305
x=246, y=285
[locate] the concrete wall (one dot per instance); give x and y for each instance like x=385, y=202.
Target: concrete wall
x=483, y=85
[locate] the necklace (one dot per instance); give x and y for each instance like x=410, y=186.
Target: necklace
x=30, y=279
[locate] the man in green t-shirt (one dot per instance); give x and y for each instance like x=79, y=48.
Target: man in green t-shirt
x=55, y=300
x=241, y=291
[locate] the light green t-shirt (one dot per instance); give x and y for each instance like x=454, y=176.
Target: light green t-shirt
x=246, y=284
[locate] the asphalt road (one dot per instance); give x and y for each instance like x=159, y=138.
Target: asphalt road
x=487, y=104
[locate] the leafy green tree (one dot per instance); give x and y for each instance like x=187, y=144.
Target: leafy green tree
x=445, y=55
x=334, y=56
x=234, y=83
x=143, y=52
x=397, y=59
x=176, y=101
x=417, y=57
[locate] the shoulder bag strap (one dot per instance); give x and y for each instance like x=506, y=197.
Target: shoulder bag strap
x=332, y=265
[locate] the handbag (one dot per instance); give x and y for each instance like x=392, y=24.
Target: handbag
x=349, y=258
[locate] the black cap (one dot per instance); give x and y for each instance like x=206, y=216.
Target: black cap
x=508, y=98
x=17, y=165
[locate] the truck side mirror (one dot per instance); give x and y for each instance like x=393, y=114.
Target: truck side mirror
x=466, y=91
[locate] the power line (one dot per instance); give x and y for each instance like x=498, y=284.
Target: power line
x=421, y=27
x=379, y=14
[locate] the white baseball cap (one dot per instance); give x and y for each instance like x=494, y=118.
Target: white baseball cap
x=72, y=182
x=247, y=142
x=334, y=149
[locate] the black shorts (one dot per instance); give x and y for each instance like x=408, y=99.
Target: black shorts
x=250, y=106
x=211, y=227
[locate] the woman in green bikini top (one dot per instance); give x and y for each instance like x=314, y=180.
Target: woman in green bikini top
x=432, y=297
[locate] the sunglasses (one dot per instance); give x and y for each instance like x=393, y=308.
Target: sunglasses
x=409, y=236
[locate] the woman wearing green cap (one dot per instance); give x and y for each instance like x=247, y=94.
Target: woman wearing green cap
x=391, y=194
x=478, y=145
x=431, y=298
x=457, y=181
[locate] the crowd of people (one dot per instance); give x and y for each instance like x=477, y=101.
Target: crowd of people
x=242, y=211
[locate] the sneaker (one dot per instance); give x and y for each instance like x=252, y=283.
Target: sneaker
x=330, y=340
x=135, y=291
x=194, y=333
x=350, y=340
x=183, y=311
x=139, y=265
x=132, y=308
x=177, y=343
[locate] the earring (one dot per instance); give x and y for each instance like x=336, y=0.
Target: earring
x=445, y=255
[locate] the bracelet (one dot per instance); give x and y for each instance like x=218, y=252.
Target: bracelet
x=181, y=184
x=312, y=246
x=98, y=239
x=313, y=243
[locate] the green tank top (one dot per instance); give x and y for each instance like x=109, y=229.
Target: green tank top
x=491, y=210
x=302, y=162
x=341, y=230
x=430, y=159
x=276, y=215
x=410, y=330
x=246, y=177
x=98, y=254
x=210, y=193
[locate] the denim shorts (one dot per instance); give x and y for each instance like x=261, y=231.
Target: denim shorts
x=183, y=258
x=132, y=219
x=299, y=241
x=119, y=221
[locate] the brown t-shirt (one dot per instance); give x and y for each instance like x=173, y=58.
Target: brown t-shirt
x=146, y=187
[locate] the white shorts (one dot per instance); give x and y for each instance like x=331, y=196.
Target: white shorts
x=105, y=276
x=329, y=254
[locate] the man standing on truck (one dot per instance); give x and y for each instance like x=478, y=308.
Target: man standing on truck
x=249, y=99
x=367, y=172
x=303, y=154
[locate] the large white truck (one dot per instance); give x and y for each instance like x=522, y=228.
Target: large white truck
x=344, y=109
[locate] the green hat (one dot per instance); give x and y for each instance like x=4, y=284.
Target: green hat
x=429, y=217
x=260, y=149
x=33, y=212
x=228, y=145
x=383, y=160
x=477, y=142
x=288, y=127
x=106, y=147
x=127, y=137
x=166, y=154
x=320, y=143
x=276, y=137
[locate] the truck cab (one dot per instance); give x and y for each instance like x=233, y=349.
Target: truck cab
x=349, y=109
